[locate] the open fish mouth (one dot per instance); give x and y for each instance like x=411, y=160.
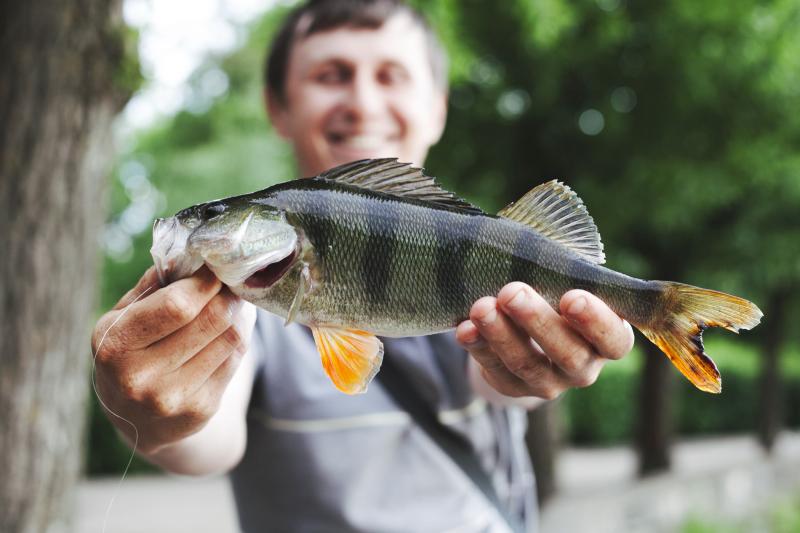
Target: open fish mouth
x=270, y=274
x=262, y=270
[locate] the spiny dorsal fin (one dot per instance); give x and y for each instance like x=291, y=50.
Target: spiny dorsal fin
x=400, y=179
x=555, y=211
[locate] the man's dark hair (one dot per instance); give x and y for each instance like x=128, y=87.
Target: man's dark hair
x=315, y=16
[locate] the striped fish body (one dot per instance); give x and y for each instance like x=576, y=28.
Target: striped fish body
x=376, y=247
x=398, y=266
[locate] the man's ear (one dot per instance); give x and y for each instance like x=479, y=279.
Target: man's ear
x=277, y=112
x=439, y=118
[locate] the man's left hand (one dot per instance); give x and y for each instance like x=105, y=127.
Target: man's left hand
x=526, y=348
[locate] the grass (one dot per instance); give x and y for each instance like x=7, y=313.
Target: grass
x=782, y=516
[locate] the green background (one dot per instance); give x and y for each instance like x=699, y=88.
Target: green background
x=677, y=123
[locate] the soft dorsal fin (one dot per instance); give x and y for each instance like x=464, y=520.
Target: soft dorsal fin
x=555, y=211
x=399, y=179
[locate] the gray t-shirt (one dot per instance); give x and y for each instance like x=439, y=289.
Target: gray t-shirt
x=318, y=460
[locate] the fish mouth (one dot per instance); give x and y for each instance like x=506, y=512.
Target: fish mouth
x=270, y=274
x=169, y=253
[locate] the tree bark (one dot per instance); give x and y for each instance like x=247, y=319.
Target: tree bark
x=543, y=439
x=769, y=409
x=654, y=431
x=57, y=102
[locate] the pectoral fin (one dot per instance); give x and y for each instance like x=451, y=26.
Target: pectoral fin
x=350, y=357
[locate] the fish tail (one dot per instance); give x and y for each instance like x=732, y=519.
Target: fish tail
x=678, y=331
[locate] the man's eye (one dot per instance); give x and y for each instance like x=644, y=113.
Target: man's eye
x=392, y=75
x=332, y=76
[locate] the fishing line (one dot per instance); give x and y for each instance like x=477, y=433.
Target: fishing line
x=109, y=410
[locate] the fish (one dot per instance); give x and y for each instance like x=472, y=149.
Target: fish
x=378, y=248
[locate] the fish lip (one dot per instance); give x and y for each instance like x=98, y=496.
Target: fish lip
x=170, y=256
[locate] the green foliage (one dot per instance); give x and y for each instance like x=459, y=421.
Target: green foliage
x=675, y=121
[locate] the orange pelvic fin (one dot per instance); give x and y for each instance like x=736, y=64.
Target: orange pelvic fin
x=691, y=310
x=350, y=357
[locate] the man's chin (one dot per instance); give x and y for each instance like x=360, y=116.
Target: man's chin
x=318, y=163
x=345, y=154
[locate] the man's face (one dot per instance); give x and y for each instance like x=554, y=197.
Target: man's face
x=360, y=93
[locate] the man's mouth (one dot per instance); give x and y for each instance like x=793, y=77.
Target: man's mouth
x=362, y=142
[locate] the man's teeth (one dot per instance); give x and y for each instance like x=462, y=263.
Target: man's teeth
x=364, y=142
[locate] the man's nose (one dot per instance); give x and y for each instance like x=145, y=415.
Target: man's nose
x=365, y=96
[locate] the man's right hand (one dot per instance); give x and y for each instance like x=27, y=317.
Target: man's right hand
x=167, y=360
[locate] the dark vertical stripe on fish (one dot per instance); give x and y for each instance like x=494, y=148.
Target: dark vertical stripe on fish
x=453, y=245
x=526, y=251
x=379, y=250
x=320, y=227
x=583, y=275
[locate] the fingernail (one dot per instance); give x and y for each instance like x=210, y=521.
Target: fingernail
x=518, y=301
x=474, y=340
x=489, y=317
x=577, y=307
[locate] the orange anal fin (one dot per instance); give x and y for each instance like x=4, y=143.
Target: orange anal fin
x=350, y=357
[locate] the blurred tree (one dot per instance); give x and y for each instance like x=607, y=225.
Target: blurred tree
x=770, y=415
x=543, y=439
x=65, y=75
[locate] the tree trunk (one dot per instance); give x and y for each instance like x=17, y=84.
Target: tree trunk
x=57, y=102
x=543, y=439
x=769, y=409
x=654, y=431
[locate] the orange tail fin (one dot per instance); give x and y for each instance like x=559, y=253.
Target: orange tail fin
x=679, y=333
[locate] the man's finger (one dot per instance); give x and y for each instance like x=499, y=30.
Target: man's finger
x=514, y=347
x=147, y=283
x=219, y=379
x=492, y=369
x=567, y=349
x=469, y=337
x=167, y=310
x=217, y=316
x=203, y=365
x=611, y=336
x=231, y=343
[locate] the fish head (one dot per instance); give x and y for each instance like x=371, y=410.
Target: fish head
x=237, y=239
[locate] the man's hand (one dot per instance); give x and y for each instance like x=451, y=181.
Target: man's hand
x=166, y=362
x=526, y=348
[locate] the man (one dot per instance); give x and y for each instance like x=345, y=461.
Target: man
x=347, y=79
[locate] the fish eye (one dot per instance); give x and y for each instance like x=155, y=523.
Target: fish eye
x=212, y=210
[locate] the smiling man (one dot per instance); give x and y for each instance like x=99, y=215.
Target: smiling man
x=208, y=392
x=348, y=95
